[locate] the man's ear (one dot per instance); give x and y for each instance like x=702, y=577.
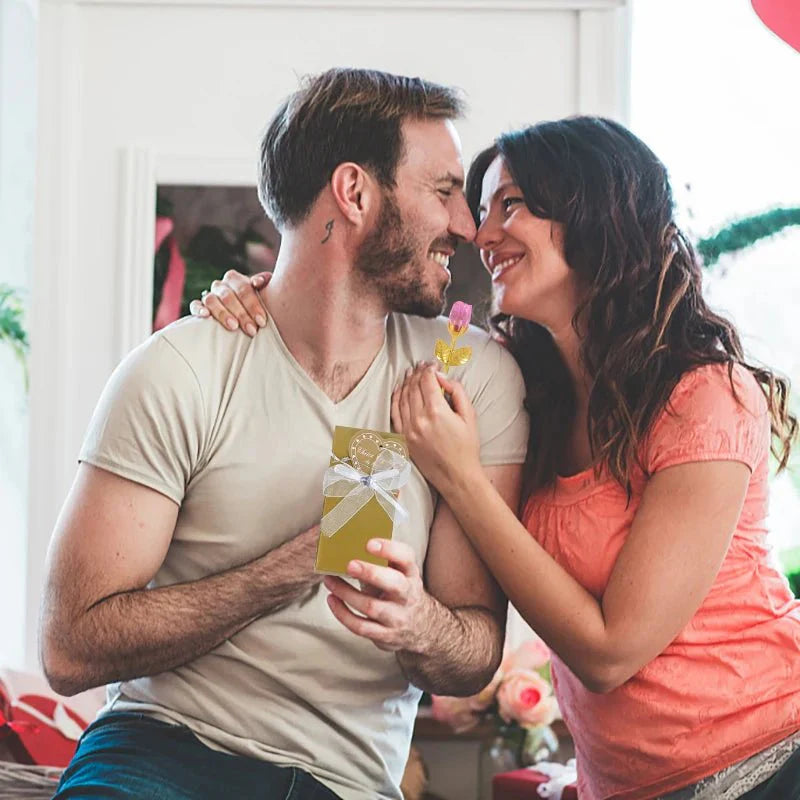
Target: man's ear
x=354, y=191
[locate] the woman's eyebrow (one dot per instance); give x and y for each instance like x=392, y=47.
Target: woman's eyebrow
x=499, y=190
x=503, y=186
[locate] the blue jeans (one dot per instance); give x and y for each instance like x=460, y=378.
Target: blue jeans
x=124, y=755
x=783, y=785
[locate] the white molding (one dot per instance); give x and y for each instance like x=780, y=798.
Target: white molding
x=603, y=69
x=205, y=170
x=143, y=170
x=136, y=244
x=388, y=5
x=53, y=290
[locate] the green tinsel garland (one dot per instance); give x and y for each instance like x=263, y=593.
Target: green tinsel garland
x=746, y=231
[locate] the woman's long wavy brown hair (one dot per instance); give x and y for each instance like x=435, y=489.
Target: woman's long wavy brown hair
x=643, y=318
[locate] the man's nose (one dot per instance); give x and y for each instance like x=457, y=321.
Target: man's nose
x=461, y=223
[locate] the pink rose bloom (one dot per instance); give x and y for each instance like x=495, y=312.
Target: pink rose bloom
x=460, y=315
x=544, y=714
x=454, y=711
x=531, y=654
x=526, y=697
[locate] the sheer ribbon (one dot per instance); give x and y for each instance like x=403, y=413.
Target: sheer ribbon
x=389, y=472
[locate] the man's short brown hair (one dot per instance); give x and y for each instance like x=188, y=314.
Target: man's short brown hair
x=341, y=115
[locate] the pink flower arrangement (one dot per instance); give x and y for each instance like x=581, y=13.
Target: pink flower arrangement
x=531, y=654
x=520, y=694
x=526, y=698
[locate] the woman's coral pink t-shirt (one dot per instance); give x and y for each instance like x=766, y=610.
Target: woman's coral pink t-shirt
x=729, y=684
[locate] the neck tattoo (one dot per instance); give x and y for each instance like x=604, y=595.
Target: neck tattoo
x=329, y=228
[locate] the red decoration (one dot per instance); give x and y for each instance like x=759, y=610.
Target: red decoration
x=522, y=784
x=37, y=742
x=169, y=308
x=782, y=17
x=38, y=726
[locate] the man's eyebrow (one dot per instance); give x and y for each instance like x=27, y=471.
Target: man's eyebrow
x=456, y=181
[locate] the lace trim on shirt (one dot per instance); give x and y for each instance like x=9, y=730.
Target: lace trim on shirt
x=738, y=779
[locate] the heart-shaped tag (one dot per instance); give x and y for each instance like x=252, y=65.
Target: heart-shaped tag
x=365, y=446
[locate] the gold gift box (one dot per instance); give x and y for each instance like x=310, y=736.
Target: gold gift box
x=357, y=447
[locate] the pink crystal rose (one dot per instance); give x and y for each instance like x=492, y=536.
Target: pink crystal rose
x=460, y=315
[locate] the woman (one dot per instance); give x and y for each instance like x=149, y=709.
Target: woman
x=640, y=556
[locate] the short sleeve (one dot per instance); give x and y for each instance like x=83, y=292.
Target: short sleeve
x=704, y=421
x=499, y=403
x=147, y=426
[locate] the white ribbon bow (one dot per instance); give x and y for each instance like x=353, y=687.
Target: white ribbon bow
x=389, y=472
x=561, y=776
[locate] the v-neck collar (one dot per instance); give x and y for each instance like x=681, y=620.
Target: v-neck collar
x=311, y=385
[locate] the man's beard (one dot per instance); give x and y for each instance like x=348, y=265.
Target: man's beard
x=389, y=260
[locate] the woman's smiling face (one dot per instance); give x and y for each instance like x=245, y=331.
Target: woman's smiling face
x=524, y=254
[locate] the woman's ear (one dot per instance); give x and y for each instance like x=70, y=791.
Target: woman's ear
x=355, y=192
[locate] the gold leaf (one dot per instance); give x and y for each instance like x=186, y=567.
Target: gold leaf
x=443, y=351
x=460, y=356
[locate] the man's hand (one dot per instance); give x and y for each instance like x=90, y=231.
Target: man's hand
x=396, y=611
x=298, y=555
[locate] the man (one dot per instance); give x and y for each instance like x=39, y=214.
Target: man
x=181, y=568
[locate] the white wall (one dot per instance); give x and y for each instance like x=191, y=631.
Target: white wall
x=17, y=153
x=130, y=91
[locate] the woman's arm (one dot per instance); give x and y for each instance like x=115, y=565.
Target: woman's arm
x=670, y=559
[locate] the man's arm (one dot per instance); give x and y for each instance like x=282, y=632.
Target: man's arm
x=466, y=647
x=101, y=624
x=448, y=635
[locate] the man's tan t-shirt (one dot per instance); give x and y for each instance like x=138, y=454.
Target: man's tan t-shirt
x=234, y=431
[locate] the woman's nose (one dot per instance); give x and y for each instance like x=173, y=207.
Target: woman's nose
x=488, y=235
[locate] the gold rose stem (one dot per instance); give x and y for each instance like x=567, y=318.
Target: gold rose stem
x=453, y=338
x=446, y=364
x=449, y=355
